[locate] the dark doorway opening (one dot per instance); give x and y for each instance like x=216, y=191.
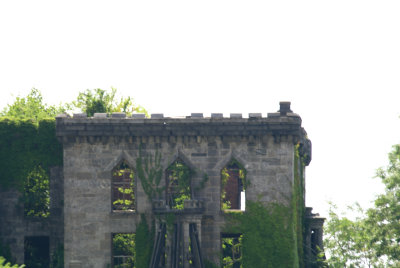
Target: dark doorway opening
x=37, y=251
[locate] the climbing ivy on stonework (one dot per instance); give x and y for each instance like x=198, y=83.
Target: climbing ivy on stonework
x=298, y=203
x=149, y=171
x=144, y=242
x=268, y=236
x=124, y=250
x=179, y=182
x=25, y=145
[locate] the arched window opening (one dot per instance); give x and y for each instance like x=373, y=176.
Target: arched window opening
x=178, y=180
x=231, y=250
x=123, y=187
x=233, y=186
x=123, y=250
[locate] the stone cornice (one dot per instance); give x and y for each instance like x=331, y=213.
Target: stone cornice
x=282, y=125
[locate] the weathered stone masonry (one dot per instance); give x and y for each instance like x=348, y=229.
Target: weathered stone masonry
x=94, y=146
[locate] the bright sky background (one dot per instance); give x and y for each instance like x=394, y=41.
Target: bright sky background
x=338, y=62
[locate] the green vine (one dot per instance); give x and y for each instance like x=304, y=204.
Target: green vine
x=25, y=145
x=273, y=234
x=170, y=221
x=150, y=173
x=179, y=183
x=267, y=235
x=298, y=203
x=144, y=240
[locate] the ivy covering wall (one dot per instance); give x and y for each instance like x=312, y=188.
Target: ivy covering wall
x=272, y=234
x=26, y=145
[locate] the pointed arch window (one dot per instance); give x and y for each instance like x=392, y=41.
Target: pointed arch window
x=178, y=182
x=123, y=187
x=233, y=195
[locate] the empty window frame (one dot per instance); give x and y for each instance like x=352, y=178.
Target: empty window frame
x=37, y=251
x=231, y=245
x=37, y=193
x=123, y=250
x=123, y=187
x=233, y=186
x=178, y=180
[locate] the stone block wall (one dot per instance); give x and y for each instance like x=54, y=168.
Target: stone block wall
x=94, y=146
x=15, y=226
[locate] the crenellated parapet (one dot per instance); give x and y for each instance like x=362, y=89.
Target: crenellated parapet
x=188, y=174
x=117, y=127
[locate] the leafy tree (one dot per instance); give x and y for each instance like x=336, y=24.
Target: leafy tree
x=32, y=107
x=347, y=242
x=101, y=101
x=385, y=216
x=372, y=239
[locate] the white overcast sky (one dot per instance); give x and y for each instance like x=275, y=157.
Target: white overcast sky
x=338, y=62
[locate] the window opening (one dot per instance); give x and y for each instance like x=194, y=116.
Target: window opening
x=36, y=251
x=233, y=194
x=178, y=178
x=231, y=250
x=37, y=193
x=123, y=189
x=314, y=241
x=123, y=250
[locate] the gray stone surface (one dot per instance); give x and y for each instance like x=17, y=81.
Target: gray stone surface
x=118, y=115
x=264, y=146
x=139, y=116
x=157, y=116
x=235, y=115
x=196, y=115
x=14, y=226
x=100, y=115
x=217, y=115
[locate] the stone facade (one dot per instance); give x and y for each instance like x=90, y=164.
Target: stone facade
x=81, y=211
x=93, y=147
x=16, y=227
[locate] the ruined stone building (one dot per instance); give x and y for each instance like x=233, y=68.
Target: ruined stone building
x=191, y=182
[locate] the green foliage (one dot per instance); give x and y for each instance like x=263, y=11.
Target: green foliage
x=123, y=193
x=385, y=216
x=268, y=235
x=101, y=101
x=150, y=173
x=373, y=237
x=179, y=181
x=124, y=250
x=4, y=264
x=36, y=195
x=347, y=242
x=298, y=204
x=232, y=252
x=144, y=243
x=32, y=107
x=25, y=146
